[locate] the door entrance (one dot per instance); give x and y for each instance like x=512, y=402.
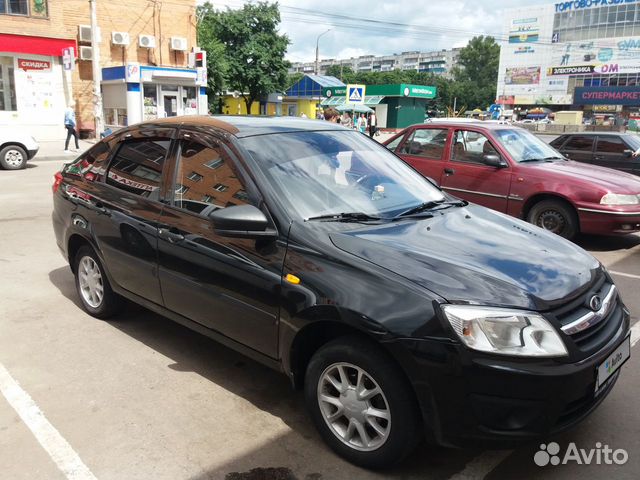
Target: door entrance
x=170, y=104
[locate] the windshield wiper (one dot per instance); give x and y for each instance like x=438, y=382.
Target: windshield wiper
x=431, y=206
x=343, y=217
x=542, y=159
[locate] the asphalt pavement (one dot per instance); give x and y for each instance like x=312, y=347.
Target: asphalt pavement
x=141, y=397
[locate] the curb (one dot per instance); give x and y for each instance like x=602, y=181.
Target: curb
x=54, y=158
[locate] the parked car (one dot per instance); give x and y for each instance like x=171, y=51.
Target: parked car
x=511, y=170
x=16, y=148
x=620, y=151
x=401, y=311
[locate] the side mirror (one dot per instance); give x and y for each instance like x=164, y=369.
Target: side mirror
x=628, y=153
x=244, y=221
x=493, y=160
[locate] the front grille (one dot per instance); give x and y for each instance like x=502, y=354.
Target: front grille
x=591, y=334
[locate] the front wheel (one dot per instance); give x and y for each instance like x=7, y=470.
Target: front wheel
x=13, y=157
x=361, y=404
x=555, y=216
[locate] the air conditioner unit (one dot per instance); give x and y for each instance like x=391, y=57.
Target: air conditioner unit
x=179, y=43
x=84, y=34
x=147, y=41
x=86, y=53
x=119, y=38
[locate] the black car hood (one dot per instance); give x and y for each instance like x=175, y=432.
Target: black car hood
x=476, y=255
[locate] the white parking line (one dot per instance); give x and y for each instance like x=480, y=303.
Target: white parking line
x=622, y=274
x=482, y=465
x=54, y=444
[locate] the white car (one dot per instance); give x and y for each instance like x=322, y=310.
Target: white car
x=16, y=148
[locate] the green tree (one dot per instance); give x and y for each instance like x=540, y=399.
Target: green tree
x=217, y=66
x=253, y=49
x=343, y=72
x=476, y=77
x=293, y=78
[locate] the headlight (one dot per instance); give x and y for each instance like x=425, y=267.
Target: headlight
x=617, y=199
x=504, y=331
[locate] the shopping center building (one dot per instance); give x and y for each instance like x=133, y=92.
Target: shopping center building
x=581, y=54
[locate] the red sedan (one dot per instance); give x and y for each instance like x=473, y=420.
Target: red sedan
x=511, y=170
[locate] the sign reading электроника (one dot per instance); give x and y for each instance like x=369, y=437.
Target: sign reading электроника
x=580, y=4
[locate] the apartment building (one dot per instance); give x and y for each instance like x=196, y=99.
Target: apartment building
x=438, y=62
x=147, y=63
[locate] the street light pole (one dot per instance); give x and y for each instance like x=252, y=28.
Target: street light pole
x=97, y=74
x=317, y=52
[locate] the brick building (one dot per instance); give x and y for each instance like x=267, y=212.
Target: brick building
x=144, y=59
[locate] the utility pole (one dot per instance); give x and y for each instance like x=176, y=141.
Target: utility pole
x=97, y=73
x=317, y=52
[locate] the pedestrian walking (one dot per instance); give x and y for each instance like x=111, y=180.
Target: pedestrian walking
x=331, y=115
x=362, y=123
x=70, y=125
x=346, y=120
x=372, y=124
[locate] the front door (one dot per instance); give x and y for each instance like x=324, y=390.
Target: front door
x=170, y=104
x=129, y=209
x=610, y=152
x=467, y=176
x=579, y=148
x=230, y=285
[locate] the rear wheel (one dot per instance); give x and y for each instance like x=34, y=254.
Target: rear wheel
x=13, y=157
x=555, y=216
x=361, y=404
x=93, y=287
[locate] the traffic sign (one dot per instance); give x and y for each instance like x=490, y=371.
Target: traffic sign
x=355, y=94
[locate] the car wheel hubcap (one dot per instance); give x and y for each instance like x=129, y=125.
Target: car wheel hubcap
x=551, y=220
x=90, y=279
x=354, y=406
x=14, y=158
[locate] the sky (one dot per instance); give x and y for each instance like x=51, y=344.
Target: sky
x=445, y=24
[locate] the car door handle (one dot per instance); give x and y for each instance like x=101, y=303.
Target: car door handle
x=170, y=236
x=599, y=157
x=100, y=208
x=449, y=171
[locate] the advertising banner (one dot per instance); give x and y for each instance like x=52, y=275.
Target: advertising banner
x=524, y=30
x=27, y=64
x=598, y=53
x=607, y=96
x=522, y=76
x=572, y=70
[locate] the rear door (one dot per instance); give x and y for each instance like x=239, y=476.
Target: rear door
x=128, y=208
x=579, y=148
x=468, y=177
x=228, y=284
x=424, y=150
x=610, y=152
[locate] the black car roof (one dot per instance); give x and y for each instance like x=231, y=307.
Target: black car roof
x=588, y=134
x=246, y=126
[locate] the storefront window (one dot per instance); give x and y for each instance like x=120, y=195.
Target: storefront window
x=150, y=102
x=7, y=84
x=189, y=100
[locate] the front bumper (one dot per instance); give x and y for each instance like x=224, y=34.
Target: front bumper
x=470, y=399
x=32, y=152
x=607, y=222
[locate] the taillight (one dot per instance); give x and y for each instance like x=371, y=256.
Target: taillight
x=57, y=180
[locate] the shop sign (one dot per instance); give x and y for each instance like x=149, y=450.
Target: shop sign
x=581, y=4
x=506, y=100
x=557, y=84
x=621, y=67
x=525, y=49
x=132, y=72
x=26, y=64
x=524, y=100
x=522, y=76
x=574, y=70
x=201, y=76
x=607, y=96
x=605, y=108
x=68, y=58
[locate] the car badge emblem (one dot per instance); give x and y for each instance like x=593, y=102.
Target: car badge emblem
x=595, y=303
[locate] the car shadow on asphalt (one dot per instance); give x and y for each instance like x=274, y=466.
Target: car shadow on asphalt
x=268, y=391
x=599, y=243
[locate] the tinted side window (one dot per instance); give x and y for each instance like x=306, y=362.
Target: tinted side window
x=579, y=142
x=204, y=177
x=557, y=142
x=610, y=145
x=91, y=164
x=426, y=142
x=137, y=166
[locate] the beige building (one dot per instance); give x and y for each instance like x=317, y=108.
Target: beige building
x=146, y=59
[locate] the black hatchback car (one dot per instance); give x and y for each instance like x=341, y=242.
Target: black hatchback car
x=620, y=151
x=402, y=312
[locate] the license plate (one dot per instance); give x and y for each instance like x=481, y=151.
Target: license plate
x=613, y=362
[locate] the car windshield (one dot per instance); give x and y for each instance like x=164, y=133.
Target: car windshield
x=523, y=146
x=338, y=172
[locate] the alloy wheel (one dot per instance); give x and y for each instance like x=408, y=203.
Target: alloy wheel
x=90, y=280
x=354, y=406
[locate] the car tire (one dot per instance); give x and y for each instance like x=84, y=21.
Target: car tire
x=555, y=216
x=340, y=415
x=13, y=157
x=93, y=286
